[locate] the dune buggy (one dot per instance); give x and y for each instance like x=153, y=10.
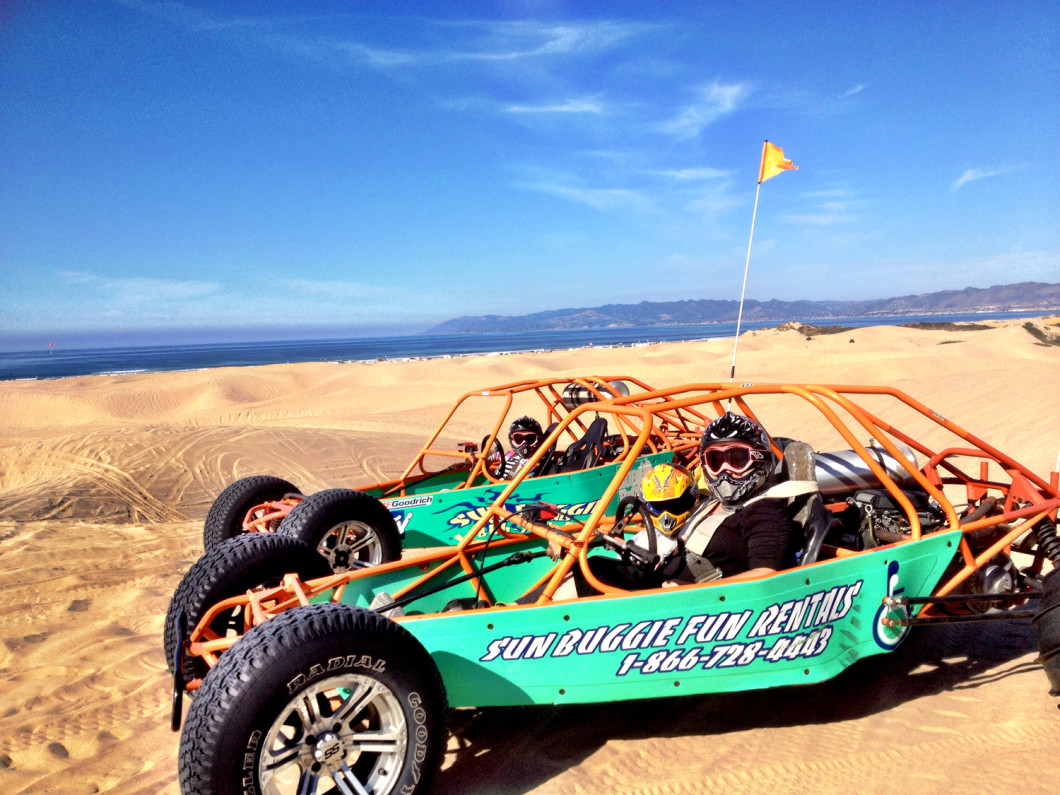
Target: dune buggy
x=450, y=482
x=340, y=683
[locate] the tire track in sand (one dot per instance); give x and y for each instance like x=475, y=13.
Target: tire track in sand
x=109, y=477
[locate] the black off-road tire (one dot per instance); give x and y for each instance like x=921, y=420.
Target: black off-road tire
x=349, y=528
x=313, y=661
x=225, y=519
x=228, y=569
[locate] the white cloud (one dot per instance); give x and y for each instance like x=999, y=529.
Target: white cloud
x=566, y=106
x=474, y=40
x=141, y=302
x=852, y=91
x=332, y=289
x=694, y=174
x=823, y=218
x=974, y=174
x=716, y=100
x=506, y=41
x=598, y=198
x=131, y=290
x=825, y=207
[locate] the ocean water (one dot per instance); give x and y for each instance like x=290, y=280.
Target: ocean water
x=55, y=363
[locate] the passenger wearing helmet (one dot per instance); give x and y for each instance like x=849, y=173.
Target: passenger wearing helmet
x=669, y=492
x=524, y=437
x=668, y=495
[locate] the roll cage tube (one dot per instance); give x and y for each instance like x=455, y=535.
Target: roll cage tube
x=717, y=394
x=544, y=388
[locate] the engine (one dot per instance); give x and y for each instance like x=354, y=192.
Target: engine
x=880, y=519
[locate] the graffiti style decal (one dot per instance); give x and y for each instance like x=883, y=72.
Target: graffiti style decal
x=631, y=482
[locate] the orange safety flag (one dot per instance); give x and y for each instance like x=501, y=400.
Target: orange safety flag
x=773, y=162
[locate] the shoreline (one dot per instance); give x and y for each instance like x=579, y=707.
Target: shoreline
x=812, y=322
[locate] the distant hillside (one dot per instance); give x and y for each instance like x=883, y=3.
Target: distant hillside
x=1000, y=298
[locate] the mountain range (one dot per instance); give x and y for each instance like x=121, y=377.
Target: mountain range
x=999, y=298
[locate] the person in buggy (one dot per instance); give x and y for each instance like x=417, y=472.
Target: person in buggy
x=524, y=438
x=736, y=529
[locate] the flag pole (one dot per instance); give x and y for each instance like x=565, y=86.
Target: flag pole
x=746, y=268
x=773, y=162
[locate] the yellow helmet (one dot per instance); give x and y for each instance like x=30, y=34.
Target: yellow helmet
x=670, y=493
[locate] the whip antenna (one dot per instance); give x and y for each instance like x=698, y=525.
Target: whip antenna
x=773, y=162
x=743, y=289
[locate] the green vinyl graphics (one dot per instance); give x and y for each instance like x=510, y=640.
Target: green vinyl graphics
x=442, y=518
x=802, y=625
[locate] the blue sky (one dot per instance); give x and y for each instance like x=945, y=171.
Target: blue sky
x=190, y=170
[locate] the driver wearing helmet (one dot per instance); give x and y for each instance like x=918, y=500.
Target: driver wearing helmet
x=743, y=531
x=524, y=437
x=740, y=530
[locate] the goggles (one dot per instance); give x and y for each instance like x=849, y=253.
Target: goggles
x=520, y=438
x=737, y=458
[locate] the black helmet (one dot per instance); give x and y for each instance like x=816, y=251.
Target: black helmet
x=736, y=457
x=525, y=436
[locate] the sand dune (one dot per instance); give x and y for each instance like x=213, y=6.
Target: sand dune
x=105, y=481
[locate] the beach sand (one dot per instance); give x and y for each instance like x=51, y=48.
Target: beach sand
x=105, y=481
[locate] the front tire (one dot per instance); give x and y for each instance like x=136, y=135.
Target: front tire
x=349, y=528
x=324, y=698
x=225, y=519
x=231, y=568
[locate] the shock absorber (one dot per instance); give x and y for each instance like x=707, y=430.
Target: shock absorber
x=1048, y=542
x=1047, y=622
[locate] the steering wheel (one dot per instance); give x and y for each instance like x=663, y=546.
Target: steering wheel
x=494, y=458
x=631, y=553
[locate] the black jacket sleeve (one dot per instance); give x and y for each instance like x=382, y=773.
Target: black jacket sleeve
x=761, y=535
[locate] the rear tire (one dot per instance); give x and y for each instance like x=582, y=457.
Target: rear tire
x=228, y=569
x=319, y=695
x=349, y=528
x=225, y=519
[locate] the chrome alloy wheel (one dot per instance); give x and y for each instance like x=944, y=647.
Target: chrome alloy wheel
x=346, y=734
x=351, y=545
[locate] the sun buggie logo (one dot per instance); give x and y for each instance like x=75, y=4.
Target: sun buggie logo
x=796, y=629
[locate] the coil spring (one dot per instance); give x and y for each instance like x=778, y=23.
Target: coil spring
x=1048, y=542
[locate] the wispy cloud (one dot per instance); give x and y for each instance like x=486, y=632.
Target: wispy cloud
x=137, y=289
x=437, y=41
x=715, y=100
x=823, y=217
x=853, y=90
x=974, y=174
x=132, y=301
x=566, y=106
x=514, y=40
x=828, y=207
x=694, y=174
x=605, y=199
x=713, y=205
x=334, y=290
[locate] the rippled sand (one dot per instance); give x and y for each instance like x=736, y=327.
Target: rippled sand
x=105, y=481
